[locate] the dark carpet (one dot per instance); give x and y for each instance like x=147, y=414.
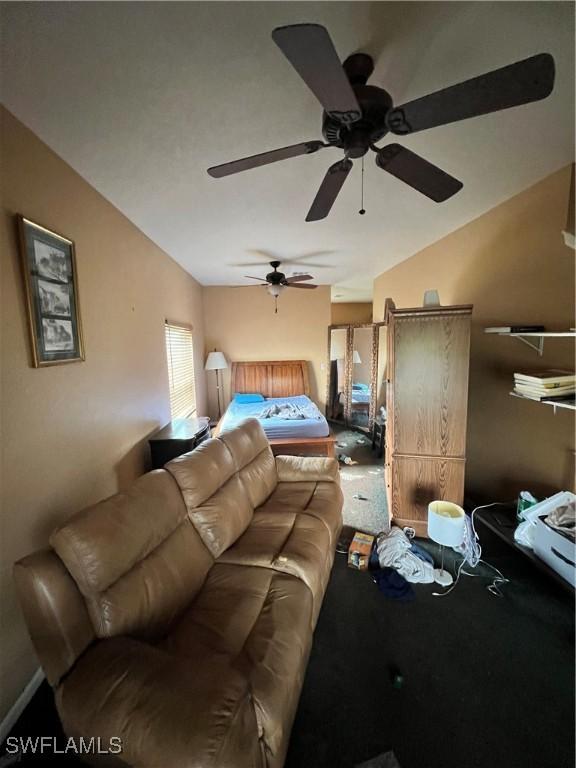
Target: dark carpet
x=488, y=682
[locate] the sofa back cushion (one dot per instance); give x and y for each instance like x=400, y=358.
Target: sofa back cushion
x=223, y=480
x=253, y=459
x=135, y=557
x=215, y=497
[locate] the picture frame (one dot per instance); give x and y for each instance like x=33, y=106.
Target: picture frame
x=51, y=286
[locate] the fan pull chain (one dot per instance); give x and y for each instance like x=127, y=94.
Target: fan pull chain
x=362, y=211
x=275, y=305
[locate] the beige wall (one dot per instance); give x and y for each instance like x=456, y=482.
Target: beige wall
x=351, y=312
x=512, y=264
x=241, y=323
x=75, y=433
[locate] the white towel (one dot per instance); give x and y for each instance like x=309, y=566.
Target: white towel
x=394, y=552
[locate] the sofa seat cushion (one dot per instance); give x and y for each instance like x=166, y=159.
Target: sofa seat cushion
x=258, y=621
x=322, y=500
x=288, y=542
x=168, y=710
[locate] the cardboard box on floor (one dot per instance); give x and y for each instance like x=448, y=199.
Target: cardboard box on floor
x=359, y=551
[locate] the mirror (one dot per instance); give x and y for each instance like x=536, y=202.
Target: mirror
x=336, y=403
x=362, y=389
x=382, y=330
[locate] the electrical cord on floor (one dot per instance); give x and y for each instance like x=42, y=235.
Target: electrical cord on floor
x=471, y=552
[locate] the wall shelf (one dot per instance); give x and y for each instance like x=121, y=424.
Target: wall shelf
x=568, y=404
x=530, y=338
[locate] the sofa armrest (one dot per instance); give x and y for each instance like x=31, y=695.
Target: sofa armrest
x=165, y=709
x=315, y=469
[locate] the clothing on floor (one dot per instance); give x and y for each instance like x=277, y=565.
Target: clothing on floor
x=395, y=551
x=393, y=585
x=422, y=553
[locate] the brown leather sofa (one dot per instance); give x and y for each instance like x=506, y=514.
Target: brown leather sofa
x=178, y=616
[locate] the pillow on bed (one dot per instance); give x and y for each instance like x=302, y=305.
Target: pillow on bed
x=248, y=398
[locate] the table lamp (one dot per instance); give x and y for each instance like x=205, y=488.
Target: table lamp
x=446, y=526
x=356, y=359
x=216, y=362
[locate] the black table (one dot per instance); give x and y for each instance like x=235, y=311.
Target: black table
x=502, y=521
x=176, y=438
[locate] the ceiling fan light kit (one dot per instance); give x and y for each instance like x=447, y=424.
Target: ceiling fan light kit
x=357, y=115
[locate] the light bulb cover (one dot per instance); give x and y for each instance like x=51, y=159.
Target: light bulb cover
x=275, y=290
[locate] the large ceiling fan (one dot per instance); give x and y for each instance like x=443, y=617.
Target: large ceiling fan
x=357, y=115
x=276, y=281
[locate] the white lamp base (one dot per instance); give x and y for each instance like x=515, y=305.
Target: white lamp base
x=442, y=577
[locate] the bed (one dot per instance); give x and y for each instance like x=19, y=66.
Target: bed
x=360, y=404
x=281, y=382
x=360, y=393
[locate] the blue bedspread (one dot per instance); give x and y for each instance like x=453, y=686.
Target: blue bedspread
x=314, y=425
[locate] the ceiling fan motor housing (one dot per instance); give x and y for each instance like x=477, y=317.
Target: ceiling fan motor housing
x=356, y=138
x=375, y=104
x=275, y=278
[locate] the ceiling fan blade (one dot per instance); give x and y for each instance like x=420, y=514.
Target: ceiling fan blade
x=250, y=277
x=298, y=278
x=265, y=158
x=329, y=189
x=520, y=83
x=301, y=285
x=310, y=50
x=417, y=172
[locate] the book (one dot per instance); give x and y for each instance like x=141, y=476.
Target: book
x=544, y=395
x=515, y=329
x=548, y=378
x=569, y=389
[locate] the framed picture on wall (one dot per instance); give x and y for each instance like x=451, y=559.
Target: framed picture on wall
x=49, y=268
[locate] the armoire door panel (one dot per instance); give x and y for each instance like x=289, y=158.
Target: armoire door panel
x=417, y=482
x=430, y=384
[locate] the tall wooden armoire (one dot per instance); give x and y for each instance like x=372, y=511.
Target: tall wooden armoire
x=426, y=404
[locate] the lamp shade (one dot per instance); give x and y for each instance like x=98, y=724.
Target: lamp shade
x=446, y=523
x=216, y=361
x=356, y=357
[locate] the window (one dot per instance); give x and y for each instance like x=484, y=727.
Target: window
x=180, y=353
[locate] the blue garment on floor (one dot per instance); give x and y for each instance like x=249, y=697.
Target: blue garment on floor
x=374, y=563
x=422, y=553
x=393, y=585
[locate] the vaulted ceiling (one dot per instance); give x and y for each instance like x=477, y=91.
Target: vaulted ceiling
x=141, y=98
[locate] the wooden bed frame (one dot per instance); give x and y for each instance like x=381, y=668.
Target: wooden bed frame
x=280, y=378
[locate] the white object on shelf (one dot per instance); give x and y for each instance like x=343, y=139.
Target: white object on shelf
x=527, y=337
x=431, y=298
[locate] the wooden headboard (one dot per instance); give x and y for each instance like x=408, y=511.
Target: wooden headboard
x=276, y=378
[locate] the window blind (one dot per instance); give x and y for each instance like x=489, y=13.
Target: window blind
x=180, y=354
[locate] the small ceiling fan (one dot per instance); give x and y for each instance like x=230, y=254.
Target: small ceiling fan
x=357, y=115
x=276, y=281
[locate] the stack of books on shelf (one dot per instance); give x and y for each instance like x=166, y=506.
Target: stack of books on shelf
x=549, y=386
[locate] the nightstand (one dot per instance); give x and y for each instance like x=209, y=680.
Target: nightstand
x=176, y=438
